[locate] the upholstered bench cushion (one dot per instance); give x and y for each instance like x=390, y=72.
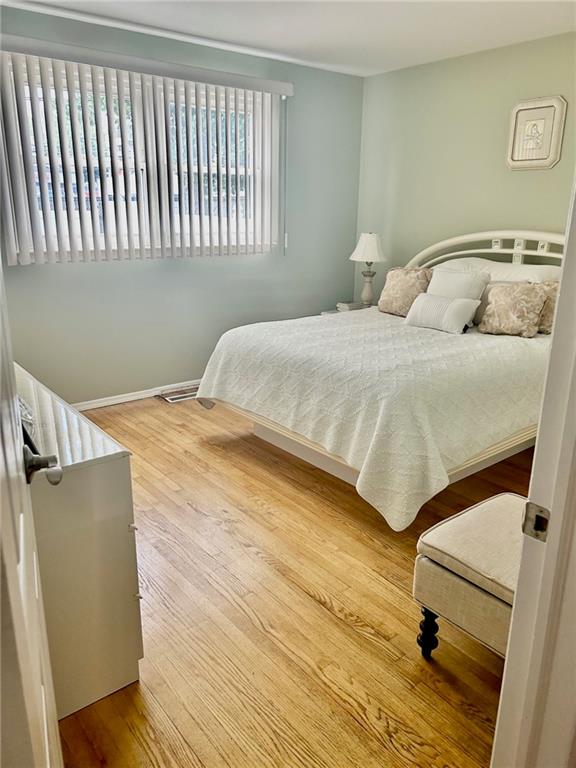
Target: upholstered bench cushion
x=482, y=544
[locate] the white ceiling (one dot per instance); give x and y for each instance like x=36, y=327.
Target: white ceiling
x=361, y=38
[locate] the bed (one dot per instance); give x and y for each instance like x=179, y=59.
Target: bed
x=398, y=411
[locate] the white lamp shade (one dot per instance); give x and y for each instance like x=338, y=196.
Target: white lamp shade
x=368, y=249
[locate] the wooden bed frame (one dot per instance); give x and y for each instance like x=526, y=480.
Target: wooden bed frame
x=499, y=245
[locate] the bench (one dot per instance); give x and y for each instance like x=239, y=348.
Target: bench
x=466, y=572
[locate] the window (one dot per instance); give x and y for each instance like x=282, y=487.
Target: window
x=106, y=164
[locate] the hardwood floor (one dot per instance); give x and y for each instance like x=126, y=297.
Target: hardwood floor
x=279, y=627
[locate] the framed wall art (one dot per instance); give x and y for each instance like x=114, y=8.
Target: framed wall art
x=536, y=130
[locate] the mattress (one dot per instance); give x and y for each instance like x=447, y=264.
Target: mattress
x=400, y=404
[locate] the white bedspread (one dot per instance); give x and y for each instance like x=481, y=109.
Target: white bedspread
x=400, y=404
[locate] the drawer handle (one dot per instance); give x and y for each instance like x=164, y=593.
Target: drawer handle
x=132, y=527
x=34, y=463
x=138, y=596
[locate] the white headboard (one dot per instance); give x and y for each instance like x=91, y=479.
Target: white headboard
x=512, y=244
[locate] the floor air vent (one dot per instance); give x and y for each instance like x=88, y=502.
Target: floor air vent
x=179, y=395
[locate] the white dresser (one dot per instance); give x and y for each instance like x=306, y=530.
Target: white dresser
x=87, y=552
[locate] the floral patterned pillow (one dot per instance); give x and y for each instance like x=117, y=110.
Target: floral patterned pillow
x=486, y=296
x=514, y=309
x=402, y=286
x=547, y=314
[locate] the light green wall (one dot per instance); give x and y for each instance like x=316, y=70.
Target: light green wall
x=91, y=330
x=434, y=142
x=432, y=164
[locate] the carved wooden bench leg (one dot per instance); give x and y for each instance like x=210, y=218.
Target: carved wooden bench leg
x=427, y=639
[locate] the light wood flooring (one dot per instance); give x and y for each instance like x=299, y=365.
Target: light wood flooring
x=279, y=628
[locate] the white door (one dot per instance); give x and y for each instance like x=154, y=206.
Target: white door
x=29, y=728
x=536, y=725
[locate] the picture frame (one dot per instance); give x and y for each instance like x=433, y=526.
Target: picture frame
x=536, y=132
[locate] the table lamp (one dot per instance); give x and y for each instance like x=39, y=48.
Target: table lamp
x=368, y=250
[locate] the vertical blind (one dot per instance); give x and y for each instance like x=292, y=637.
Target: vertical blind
x=105, y=164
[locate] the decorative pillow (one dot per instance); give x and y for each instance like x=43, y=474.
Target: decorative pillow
x=514, y=309
x=442, y=313
x=402, y=286
x=484, y=300
x=458, y=285
x=547, y=314
x=505, y=272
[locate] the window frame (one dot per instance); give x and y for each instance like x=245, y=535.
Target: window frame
x=156, y=70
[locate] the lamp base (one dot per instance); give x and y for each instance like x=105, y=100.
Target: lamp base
x=367, y=295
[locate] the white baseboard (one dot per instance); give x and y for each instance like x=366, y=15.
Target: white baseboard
x=128, y=396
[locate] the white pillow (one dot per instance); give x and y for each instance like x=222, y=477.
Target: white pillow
x=442, y=313
x=458, y=285
x=502, y=272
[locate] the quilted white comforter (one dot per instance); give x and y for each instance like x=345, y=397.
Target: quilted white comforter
x=400, y=404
